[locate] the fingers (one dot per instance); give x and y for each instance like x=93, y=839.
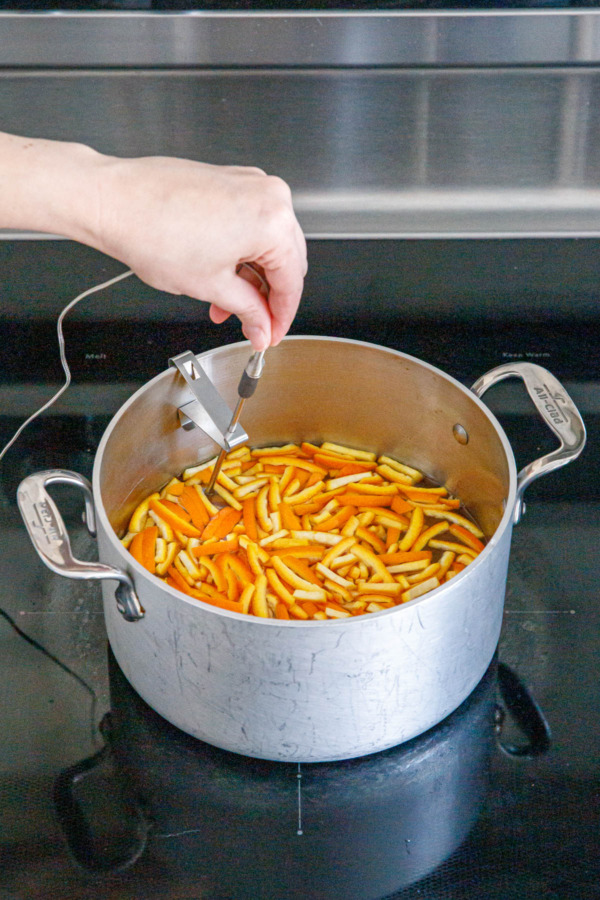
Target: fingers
x=284, y=298
x=212, y=220
x=217, y=314
x=280, y=283
x=254, y=275
x=286, y=283
x=284, y=264
x=237, y=296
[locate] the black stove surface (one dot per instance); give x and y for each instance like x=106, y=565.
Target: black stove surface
x=99, y=797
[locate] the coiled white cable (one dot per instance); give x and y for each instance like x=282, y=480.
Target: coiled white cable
x=63, y=357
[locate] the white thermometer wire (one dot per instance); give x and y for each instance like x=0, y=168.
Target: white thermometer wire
x=63, y=357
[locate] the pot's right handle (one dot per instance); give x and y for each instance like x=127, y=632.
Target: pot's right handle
x=556, y=409
x=51, y=540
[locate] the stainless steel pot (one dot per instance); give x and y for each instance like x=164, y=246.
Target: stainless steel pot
x=309, y=691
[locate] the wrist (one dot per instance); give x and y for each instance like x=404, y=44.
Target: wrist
x=50, y=187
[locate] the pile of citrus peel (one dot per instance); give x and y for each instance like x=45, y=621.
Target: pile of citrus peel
x=305, y=532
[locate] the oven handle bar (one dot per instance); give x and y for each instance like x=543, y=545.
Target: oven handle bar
x=50, y=538
x=556, y=409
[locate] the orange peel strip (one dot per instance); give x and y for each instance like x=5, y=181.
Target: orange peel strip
x=173, y=519
x=212, y=548
x=287, y=575
x=221, y=524
x=190, y=499
x=414, y=529
x=367, y=500
x=249, y=519
x=467, y=536
x=337, y=519
x=429, y=533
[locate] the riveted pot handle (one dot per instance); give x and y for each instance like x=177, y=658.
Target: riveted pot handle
x=556, y=409
x=51, y=540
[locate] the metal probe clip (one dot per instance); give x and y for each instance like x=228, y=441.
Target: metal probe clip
x=209, y=412
x=246, y=388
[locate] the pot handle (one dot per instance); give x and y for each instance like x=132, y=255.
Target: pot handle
x=556, y=409
x=51, y=540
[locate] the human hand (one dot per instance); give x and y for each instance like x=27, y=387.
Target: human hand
x=185, y=227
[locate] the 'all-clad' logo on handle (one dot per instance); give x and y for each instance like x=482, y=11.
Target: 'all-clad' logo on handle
x=549, y=402
x=46, y=521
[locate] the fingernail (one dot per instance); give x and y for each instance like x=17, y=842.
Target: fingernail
x=257, y=337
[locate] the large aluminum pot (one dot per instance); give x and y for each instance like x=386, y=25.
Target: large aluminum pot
x=309, y=691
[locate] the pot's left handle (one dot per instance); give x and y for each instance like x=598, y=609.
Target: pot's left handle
x=556, y=409
x=51, y=540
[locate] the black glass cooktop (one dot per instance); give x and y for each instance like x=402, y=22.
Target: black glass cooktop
x=100, y=797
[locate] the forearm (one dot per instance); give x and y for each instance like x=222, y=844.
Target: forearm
x=49, y=186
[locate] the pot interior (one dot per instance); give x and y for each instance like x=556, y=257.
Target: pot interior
x=315, y=389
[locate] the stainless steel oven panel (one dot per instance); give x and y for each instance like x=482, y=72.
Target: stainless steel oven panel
x=303, y=38
x=368, y=152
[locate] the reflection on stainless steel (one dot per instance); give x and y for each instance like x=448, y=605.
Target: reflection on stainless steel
x=309, y=38
x=416, y=152
x=371, y=826
x=207, y=410
x=468, y=212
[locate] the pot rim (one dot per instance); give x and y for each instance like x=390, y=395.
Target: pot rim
x=431, y=596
